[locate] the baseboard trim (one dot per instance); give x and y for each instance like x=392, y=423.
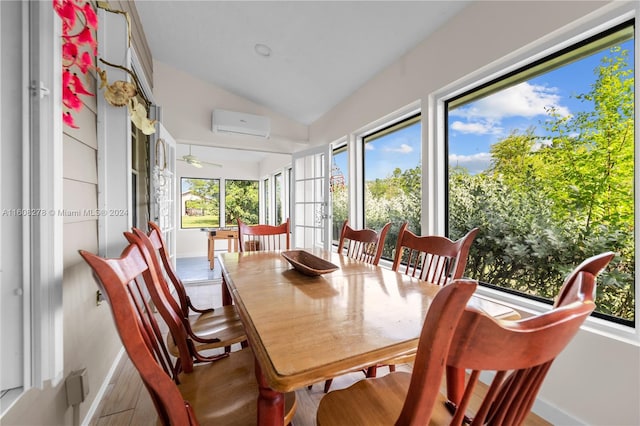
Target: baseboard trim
x=103, y=389
x=553, y=414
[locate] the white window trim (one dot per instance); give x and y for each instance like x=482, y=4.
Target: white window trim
x=588, y=26
x=355, y=150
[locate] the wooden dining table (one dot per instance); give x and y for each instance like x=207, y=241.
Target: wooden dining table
x=306, y=329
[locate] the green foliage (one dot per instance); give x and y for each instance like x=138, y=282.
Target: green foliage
x=241, y=201
x=205, y=203
x=542, y=208
x=395, y=199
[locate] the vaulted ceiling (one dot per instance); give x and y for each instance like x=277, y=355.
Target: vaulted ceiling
x=298, y=58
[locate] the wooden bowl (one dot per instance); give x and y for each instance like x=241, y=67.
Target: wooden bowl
x=307, y=263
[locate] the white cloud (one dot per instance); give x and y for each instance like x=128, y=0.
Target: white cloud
x=403, y=149
x=521, y=100
x=478, y=127
x=369, y=147
x=475, y=163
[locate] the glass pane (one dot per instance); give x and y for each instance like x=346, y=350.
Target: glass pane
x=393, y=180
x=545, y=168
x=278, y=197
x=266, y=201
x=242, y=201
x=339, y=187
x=200, y=203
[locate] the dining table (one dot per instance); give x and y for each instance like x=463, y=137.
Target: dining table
x=305, y=329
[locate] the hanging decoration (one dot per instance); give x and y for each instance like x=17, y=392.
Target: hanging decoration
x=336, y=180
x=161, y=178
x=79, y=48
x=123, y=93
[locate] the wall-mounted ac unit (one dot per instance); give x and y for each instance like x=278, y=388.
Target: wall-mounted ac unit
x=239, y=122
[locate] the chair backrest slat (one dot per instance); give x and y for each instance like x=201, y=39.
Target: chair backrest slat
x=365, y=245
x=263, y=237
x=432, y=258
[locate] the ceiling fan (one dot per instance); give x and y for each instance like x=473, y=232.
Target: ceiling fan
x=195, y=162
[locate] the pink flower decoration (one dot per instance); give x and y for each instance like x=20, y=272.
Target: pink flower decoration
x=71, y=13
x=67, y=119
x=78, y=86
x=92, y=18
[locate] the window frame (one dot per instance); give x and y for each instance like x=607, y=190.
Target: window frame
x=436, y=136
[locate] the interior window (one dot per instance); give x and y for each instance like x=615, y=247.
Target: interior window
x=393, y=179
x=241, y=202
x=265, y=188
x=542, y=161
x=278, y=197
x=339, y=187
x=200, y=203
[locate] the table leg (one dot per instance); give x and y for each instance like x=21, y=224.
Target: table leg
x=226, y=294
x=270, y=402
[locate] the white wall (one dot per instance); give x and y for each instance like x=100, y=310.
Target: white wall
x=187, y=104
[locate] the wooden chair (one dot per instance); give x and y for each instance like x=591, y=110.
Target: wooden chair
x=519, y=353
x=365, y=245
x=223, y=392
x=208, y=328
x=362, y=244
x=263, y=237
x=580, y=284
x=432, y=258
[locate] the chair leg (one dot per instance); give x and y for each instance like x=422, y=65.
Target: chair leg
x=327, y=385
x=372, y=371
x=392, y=368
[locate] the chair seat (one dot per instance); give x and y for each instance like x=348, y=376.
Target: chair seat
x=375, y=401
x=222, y=323
x=225, y=392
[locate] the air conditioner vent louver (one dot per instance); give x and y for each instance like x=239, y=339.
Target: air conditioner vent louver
x=240, y=123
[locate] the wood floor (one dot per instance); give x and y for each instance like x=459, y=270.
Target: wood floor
x=126, y=401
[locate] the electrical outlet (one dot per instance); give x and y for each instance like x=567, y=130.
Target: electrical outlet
x=77, y=386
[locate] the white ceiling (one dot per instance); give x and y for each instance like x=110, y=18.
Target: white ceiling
x=322, y=51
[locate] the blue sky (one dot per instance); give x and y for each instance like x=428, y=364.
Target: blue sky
x=475, y=126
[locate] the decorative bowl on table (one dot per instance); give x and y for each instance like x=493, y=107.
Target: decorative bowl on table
x=307, y=263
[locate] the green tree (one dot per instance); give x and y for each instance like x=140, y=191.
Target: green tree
x=241, y=201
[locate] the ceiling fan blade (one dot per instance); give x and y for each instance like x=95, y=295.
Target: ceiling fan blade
x=211, y=164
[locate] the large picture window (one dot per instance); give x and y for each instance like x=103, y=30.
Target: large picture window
x=542, y=161
x=200, y=203
x=241, y=202
x=392, y=179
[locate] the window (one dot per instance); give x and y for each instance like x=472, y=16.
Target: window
x=542, y=161
x=339, y=187
x=265, y=189
x=241, y=202
x=200, y=203
x=278, y=197
x=392, y=179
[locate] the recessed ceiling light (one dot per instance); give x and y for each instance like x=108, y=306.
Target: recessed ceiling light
x=262, y=50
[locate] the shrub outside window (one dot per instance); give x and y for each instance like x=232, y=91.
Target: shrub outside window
x=393, y=179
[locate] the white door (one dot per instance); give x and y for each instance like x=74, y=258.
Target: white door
x=163, y=160
x=311, y=212
x=11, y=199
